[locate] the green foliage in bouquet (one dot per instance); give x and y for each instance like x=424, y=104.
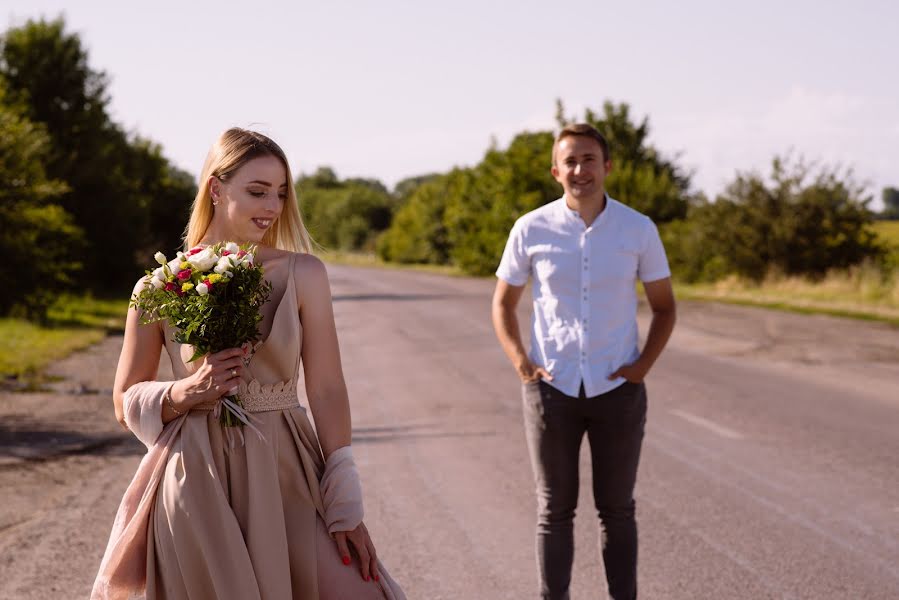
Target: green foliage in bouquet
x=210, y=296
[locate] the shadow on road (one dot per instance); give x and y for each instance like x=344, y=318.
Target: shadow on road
x=21, y=438
x=397, y=297
x=375, y=435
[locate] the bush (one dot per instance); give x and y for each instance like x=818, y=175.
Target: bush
x=805, y=221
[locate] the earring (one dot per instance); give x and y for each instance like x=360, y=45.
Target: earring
x=215, y=201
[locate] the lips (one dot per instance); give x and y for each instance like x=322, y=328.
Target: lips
x=262, y=223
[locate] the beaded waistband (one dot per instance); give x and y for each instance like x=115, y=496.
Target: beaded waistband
x=262, y=398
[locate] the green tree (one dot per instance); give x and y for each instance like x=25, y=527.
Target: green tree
x=38, y=239
x=417, y=233
x=641, y=177
x=345, y=215
x=404, y=188
x=505, y=185
x=890, y=196
x=804, y=221
x=113, y=182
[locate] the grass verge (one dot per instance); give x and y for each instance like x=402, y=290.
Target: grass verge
x=74, y=323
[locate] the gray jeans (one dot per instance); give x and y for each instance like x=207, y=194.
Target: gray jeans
x=555, y=424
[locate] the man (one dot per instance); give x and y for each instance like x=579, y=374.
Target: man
x=584, y=373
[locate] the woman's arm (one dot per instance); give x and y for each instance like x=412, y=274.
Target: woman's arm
x=325, y=385
x=139, y=360
x=215, y=374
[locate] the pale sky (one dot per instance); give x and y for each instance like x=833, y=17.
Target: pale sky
x=395, y=88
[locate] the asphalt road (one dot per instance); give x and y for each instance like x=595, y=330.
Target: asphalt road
x=769, y=468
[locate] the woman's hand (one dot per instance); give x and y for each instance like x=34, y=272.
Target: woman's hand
x=364, y=548
x=215, y=375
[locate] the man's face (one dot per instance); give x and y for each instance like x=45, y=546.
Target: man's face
x=580, y=167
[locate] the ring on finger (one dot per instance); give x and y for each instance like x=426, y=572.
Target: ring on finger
x=233, y=372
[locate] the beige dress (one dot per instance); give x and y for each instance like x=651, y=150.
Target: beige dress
x=243, y=520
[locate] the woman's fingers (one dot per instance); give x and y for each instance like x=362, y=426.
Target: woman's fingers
x=373, y=568
x=358, y=538
x=340, y=538
x=226, y=354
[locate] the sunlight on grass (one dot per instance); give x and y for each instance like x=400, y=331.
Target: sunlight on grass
x=358, y=259
x=75, y=323
x=861, y=292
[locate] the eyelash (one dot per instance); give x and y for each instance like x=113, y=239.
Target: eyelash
x=262, y=194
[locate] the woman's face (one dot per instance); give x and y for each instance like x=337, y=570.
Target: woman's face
x=251, y=200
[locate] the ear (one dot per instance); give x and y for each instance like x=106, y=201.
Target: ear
x=608, y=166
x=215, y=187
x=554, y=170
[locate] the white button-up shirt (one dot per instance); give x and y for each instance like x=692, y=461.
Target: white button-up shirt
x=585, y=298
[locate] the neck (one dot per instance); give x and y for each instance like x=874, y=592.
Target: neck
x=588, y=208
x=216, y=234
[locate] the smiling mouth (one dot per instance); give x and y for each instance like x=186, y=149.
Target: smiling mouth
x=262, y=223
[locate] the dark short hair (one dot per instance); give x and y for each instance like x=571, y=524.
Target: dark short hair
x=583, y=130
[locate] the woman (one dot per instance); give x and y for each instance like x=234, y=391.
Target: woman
x=209, y=518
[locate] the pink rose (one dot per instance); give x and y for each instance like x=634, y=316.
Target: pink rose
x=171, y=287
x=241, y=254
x=225, y=253
x=208, y=283
x=183, y=275
x=194, y=251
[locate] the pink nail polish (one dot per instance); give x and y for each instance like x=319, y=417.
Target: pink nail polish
x=365, y=578
x=346, y=560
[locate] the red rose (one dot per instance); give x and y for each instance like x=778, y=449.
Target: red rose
x=225, y=253
x=185, y=274
x=241, y=254
x=171, y=287
x=194, y=251
x=208, y=283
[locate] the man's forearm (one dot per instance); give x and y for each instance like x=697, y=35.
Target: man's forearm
x=660, y=329
x=505, y=324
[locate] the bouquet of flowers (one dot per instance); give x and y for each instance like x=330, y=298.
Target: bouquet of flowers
x=211, y=297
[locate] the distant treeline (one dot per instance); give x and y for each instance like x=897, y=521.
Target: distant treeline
x=801, y=219
x=83, y=203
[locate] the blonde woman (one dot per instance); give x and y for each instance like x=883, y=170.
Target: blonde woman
x=267, y=518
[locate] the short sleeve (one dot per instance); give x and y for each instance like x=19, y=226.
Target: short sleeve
x=515, y=266
x=653, y=262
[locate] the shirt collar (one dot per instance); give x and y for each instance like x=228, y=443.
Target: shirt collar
x=572, y=216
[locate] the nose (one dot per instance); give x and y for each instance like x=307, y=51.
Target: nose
x=272, y=202
x=578, y=168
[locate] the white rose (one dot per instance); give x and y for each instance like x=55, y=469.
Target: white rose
x=202, y=289
x=232, y=247
x=224, y=264
x=159, y=274
x=160, y=258
x=203, y=260
x=175, y=265
x=157, y=283
x=246, y=259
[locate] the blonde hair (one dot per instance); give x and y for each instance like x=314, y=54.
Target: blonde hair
x=235, y=148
